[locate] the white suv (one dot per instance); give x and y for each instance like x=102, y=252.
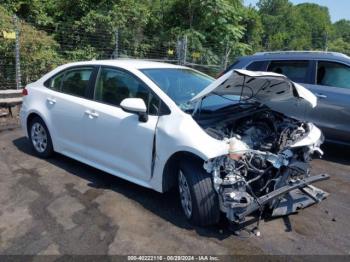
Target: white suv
x=162, y=126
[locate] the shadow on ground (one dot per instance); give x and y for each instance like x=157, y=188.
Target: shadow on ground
x=164, y=205
x=337, y=153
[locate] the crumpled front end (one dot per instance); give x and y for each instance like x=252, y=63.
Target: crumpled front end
x=267, y=166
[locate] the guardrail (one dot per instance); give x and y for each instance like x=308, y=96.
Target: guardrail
x=10, y=98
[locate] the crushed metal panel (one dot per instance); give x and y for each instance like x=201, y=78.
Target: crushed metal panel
x=297, y=199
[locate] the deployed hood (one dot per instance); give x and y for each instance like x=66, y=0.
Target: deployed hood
x=271, y=89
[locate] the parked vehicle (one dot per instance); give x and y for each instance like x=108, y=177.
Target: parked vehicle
x=326, y=74
x=160, y=126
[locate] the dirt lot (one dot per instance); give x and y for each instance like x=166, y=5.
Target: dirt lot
x=60, y=206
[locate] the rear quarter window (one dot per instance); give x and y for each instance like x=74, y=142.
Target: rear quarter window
x=54, y=83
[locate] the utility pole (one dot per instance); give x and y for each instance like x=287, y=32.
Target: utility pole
x=18, y=61
x=116, y=51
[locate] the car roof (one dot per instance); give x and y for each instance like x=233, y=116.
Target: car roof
x=126, y=63
x=307, y=55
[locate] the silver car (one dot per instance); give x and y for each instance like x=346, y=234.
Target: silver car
x=326, y=74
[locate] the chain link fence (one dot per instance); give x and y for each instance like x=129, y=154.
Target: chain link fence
x=35, y=52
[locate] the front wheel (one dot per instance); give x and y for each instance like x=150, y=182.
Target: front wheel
x=198, y=198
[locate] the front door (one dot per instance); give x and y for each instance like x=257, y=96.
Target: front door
x=117, y=141
x=332, y=89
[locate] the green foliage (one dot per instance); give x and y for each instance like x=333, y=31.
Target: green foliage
x=253, y=29
x=212, y=27
x=340, y=37
x=53, y=32
x=301, y=27
x=317, y=24
x=33, y=11
x=340, y=45
x=341, y=29
x=38, y=50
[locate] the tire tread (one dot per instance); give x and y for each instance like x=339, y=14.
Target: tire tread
x=206, y=205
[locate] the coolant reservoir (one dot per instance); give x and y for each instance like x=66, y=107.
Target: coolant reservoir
x=237, y=148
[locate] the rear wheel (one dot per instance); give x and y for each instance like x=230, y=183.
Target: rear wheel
x=198, y=198
x=40, y=138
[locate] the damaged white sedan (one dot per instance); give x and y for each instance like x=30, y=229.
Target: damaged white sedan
x=227, y=145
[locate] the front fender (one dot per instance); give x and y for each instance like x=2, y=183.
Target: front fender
x=182, y=133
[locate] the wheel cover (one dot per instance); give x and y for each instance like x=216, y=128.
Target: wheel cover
x=185, y=195
x=39, y=137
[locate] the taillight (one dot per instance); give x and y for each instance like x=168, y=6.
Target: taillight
x=24, y=92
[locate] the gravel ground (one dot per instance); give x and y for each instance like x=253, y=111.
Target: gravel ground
x=60, y=206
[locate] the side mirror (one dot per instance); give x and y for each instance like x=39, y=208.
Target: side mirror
x=135, y=106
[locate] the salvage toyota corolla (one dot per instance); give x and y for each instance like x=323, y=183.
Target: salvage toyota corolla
x=227, y=145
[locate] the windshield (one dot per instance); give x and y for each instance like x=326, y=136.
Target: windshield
x=182, y=84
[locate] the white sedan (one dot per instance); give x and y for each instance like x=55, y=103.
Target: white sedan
x=224, y=144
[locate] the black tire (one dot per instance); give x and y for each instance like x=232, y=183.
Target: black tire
x=204, y=199
x=48, y=150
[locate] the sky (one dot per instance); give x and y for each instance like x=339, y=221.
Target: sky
x=338, y=9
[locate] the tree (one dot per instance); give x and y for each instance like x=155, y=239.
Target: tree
x=38, y=50
x=339, y=45
x=253, y=29
x=213, y=28
x=287, y=27
x=279, y=22
x=217, y=30
x=340, y=37
x=341, y=29
x=317, y=24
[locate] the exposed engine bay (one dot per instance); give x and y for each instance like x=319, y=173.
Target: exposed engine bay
x=267, y=165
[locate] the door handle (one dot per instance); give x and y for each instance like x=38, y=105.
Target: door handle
x=91, y=114
x=51, y=101
x=320, y=95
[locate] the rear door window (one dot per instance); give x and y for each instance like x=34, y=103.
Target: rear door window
x=76, y=81
x=297, y=71
x=333, y=74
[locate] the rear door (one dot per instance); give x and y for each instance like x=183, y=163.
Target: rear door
x=117, y=141
x=332, y=87
x=67, y=98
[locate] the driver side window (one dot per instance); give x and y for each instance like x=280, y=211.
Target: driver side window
x=113, y=86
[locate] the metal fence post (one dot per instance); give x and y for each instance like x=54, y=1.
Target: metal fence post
x=226, y=55
x=17, y=49
x=179, y=51
x=184, y=47
x=116, y=48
